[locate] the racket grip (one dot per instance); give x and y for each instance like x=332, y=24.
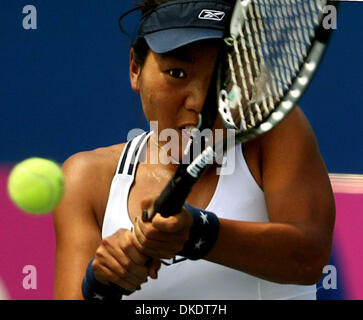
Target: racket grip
x=172, y=198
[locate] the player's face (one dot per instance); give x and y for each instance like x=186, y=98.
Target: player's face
x=173, y=87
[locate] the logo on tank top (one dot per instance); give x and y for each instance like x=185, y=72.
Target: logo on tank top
x=176, y=259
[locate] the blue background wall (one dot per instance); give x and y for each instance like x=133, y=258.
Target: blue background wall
x=64, y=87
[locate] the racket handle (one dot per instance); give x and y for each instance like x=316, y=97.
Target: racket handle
x=172, y=198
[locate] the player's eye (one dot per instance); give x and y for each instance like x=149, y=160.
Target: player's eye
x=177, y=73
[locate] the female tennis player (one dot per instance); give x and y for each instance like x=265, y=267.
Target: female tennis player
x=262, y=232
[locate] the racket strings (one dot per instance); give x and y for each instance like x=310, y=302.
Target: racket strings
x=273, y=41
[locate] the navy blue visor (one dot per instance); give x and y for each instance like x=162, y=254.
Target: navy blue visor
x=177, y=23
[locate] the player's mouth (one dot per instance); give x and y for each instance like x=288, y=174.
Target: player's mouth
x=187, y=131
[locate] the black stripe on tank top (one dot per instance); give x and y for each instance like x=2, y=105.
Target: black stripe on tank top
x=132, y=162
x=124, y=156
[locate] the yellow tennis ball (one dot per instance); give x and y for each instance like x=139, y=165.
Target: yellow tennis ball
x=36, y=185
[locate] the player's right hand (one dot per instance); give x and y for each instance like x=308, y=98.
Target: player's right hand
x=117, y=260
x=162, y=238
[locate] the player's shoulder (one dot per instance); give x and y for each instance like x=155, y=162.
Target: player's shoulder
x=292, y=139
x=293, y=129
x=93, y=163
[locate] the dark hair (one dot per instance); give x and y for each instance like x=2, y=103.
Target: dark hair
x=146, y=5
x=141, y=49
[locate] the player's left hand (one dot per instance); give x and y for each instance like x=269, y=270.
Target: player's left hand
x=162, y=238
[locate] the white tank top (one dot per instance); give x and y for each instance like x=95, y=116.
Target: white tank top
x=201, y=279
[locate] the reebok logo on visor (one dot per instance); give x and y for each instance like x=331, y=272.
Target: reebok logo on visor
x=207, y=14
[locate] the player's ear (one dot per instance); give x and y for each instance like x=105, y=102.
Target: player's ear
x=135, y=71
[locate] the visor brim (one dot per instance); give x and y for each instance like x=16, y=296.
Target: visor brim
x=168, y=40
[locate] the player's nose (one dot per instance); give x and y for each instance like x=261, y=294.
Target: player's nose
x=196, y=95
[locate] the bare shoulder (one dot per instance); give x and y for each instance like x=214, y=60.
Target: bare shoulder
x=88, y=176
x=291, y=150
x=98, y=160
x=293, y=135
x=93, y=166
x=295, y=129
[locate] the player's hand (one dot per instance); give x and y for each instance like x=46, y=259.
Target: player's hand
x=117, y=260
x=162, y=238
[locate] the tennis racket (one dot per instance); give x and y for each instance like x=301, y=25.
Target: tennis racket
x=269, y=57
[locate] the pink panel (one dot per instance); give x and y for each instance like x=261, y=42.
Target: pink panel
x=349, y=242
x=348, y=238
x=25, y=240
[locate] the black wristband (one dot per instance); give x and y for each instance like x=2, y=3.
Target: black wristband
x=203, y=233
x=95, y=290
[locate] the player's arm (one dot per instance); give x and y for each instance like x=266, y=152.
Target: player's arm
x=296, y=244
x=78, y=233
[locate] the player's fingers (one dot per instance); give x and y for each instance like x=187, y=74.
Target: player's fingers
x=148, y=250
x=128, y=269
x=114, y=258
x=111, y=276
x=131, y=251
x=167, y=245
x=152, y=238
x=173, y=224
x=124, y=276
x=154, y=267
x=150, y=232
x=146, y=208
x=154, y=249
